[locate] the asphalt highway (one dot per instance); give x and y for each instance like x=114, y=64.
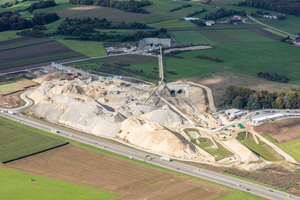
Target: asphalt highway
x=173, y=165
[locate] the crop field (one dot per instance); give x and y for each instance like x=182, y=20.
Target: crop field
x=127, y=59
x=229, y=36
x=17, y=142
x=87, y=48
x=191, y=37
x=17, y=185
x=262, y=149
x=21, y=55
x=22, y=42
x=111, y=14
x=175, y=25
x=104, y=172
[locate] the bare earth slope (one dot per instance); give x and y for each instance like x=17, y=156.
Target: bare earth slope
x=282, y=130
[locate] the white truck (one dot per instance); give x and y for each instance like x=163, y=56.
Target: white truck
x=10, y=112
x=166, y=159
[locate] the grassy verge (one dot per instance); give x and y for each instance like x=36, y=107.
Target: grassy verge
x=262, y=149
x=17, y=185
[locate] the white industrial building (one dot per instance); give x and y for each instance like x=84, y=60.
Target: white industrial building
x=268, y=118
x=234, y=113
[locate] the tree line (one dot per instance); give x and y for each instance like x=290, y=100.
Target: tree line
x=41, y=4
x=13, y=21
x=196, y=12
x=283, y=6
x=246, y=98
x=273, y=77
x=9, y=4
x=180, y=7
x=128, y=6
x=220, y=13
x=211, y=58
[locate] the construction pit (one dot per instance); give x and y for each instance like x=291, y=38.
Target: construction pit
x=116, y=109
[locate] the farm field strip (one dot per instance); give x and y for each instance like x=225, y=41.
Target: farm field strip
x=41, y=59
x=17, y=185
x=17, y=142
x=15, y=86
x=111, y=14
x=27, y=42
x=191, y=37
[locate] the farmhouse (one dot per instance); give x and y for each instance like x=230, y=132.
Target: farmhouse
x=236, y=20
x=234, y=113
x=297, y=42
x=271, y=16
x=268, y=118
x=209, y=22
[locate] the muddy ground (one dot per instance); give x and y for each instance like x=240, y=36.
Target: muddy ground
x=282, y=130
x=135, y=181
x=219, y=81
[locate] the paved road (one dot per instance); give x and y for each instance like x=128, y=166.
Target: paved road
x=271, y=27
x=139, y=155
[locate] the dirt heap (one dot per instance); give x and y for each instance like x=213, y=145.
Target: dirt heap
x=282, y=130
x=159, y=139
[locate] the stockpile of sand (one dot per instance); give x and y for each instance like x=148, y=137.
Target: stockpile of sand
x=159, y=139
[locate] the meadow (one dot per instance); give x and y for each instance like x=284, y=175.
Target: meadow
x=191, y=37
x=17, y=185
x=18, y=142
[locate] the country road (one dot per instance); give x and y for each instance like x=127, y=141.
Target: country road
x=139, y=155
x=271, y=27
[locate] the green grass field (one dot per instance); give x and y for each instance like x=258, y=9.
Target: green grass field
x=244, y=58
x=240, y=195
x=17, y=141
x=87, y=48
x=292, y=148
x=8, y=35
x=262, y=149
x=17, y=185
x=191, y=37
x=227, y=36
x=219, y=153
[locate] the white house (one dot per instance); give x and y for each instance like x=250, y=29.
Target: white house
x=209, y=22
x=190, y=18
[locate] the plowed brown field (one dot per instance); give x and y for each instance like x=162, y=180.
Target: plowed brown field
x=135, y=181
x=282, y=130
